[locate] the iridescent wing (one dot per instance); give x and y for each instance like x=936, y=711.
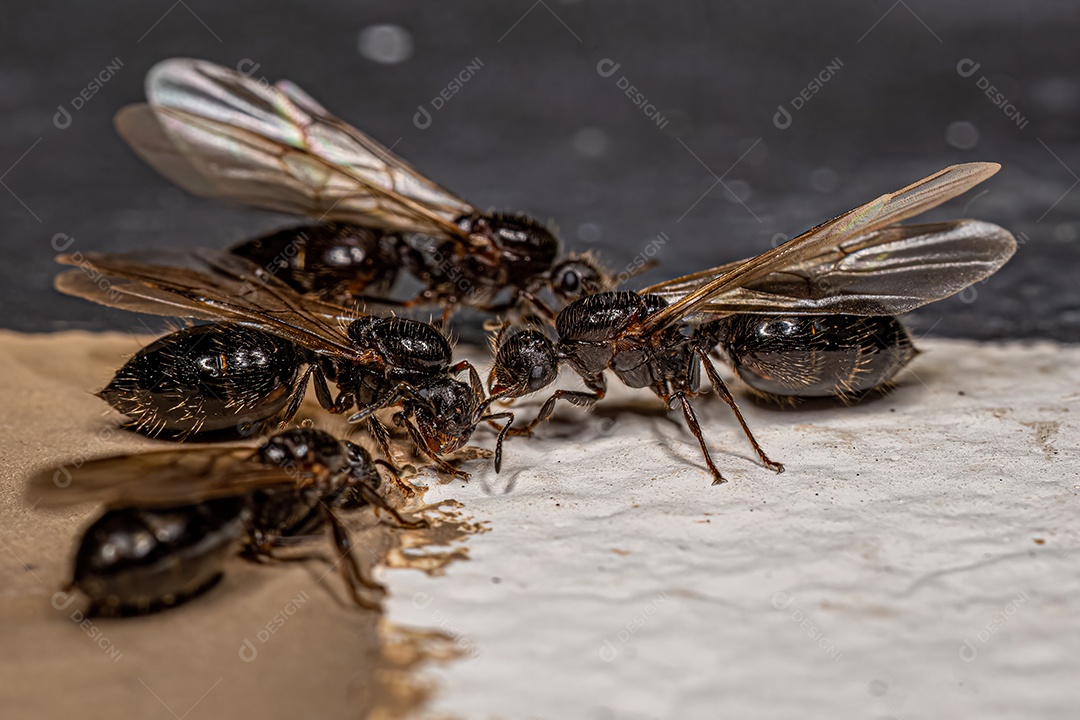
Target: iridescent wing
x=215, y=286
x=160, y=478
x=887, y=272
x=222, y=134
x=711, y=286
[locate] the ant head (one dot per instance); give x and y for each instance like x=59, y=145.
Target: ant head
x=578, y=276
x=525, y=361
x=363, y=479
x=361, y=465
x=448, y=416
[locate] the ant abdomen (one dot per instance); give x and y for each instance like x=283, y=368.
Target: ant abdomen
x=206, y=378
x=526, y=246
x=137, y=560
x=333, y=259
x=815, y=355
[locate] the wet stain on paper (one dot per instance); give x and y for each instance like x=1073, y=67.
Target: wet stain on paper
x=1045, y=430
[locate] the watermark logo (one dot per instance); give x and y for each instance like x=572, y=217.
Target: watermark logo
x=609, y=650
x=783, y=117
x=607, y=427
x=422, y=601
x=642, y=258
x=968, y=650
x=249, y=651
x=967, y=68
x=61, y=242
x=783, y=602
x=607, y=68
x=423, y=117
x=969, y=294
x=62, y=119
x=62, y=601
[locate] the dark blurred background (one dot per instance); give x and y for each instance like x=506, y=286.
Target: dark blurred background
x=745, y=121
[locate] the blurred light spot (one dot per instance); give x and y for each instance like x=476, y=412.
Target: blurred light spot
x=589, y=232
x=590, y=142
x=1066, y=232
x=824, y=180
x=962, y=135
x=387, y=44
x=740, y=189
x=1057, y=93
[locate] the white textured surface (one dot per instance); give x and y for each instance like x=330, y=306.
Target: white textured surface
x=893, y=570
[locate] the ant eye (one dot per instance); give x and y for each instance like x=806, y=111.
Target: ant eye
x=571, y=282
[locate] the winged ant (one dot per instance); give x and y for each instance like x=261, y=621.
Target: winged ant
x=811, y=317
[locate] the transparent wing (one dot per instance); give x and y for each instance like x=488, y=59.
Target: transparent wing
x=219, y=133
x=216, y=286
x=157, y=478
x=875, y=215
x=887, y=272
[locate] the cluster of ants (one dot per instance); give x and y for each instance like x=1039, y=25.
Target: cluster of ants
x=315, y=305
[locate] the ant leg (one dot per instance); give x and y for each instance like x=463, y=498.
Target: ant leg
x=322, y=391
x=509, y=417
x=379, y=502
x=421, y=445
x=695, y=427
x=539, y=305
x=382, y=436
x=368, y=411
x=344, y=401
x=262, y=550
x=397, y=394
x=574, y=397
x=474, y=377
x=262, y=547
x=296, y=399
x=350, y=569
x=722, y=390
x=268, y=555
